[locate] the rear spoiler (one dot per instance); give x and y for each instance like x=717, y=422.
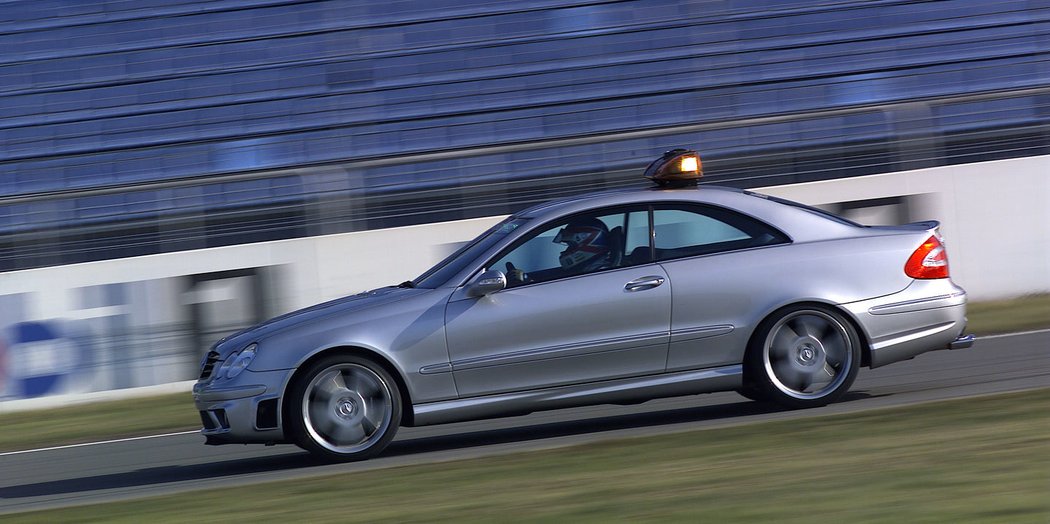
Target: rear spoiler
x=926, y=225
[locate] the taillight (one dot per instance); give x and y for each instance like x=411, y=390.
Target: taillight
x=930, y=260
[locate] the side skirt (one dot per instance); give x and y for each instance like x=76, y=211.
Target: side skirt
x=636, y=389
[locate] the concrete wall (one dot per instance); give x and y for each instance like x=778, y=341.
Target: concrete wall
x=995, y=217
x=143, y=321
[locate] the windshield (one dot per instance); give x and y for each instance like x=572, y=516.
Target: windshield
x=438, y=275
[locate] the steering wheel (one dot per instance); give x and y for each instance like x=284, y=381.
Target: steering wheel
x=516, y=275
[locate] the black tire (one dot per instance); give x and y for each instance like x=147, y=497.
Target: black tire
x=344, y=408
x=803, y=356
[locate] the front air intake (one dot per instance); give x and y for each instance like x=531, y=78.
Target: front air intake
x=266, y=414
x=215, y=419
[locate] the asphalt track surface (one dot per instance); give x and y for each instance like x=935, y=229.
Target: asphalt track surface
x=168, y=464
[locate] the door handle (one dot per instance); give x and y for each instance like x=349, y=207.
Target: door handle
x=641, y=284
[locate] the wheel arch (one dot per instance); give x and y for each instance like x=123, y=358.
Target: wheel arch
x=407, y=414
x=862, y=335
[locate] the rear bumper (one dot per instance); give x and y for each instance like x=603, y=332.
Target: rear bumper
x=926, y=316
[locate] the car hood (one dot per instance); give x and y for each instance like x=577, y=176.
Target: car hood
x=344, y=305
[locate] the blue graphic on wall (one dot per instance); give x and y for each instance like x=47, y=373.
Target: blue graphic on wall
x=3, y=366
x=37, y=360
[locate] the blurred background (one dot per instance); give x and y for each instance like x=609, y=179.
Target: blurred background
x=173, y=170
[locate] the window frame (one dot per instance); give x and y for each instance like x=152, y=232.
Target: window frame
x=716, y=212
x=751, y=225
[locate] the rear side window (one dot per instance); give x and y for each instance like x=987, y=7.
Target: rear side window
x=684, y=231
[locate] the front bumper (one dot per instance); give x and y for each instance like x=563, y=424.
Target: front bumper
x=928, y=315
x=242, y=412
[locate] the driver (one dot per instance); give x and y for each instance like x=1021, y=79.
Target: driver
x=588, y=245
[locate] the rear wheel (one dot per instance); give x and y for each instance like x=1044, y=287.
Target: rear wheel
x=804, y=356
x=344, y=408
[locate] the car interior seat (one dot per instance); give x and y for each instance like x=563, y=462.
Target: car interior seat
x=616, y=242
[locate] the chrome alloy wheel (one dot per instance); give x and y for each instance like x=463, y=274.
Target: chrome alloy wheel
x=808, y=354
x=347, y=408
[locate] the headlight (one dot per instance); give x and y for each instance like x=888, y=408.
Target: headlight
x=237, y=362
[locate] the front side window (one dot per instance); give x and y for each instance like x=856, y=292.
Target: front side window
x=581, y=244
x=682, y=231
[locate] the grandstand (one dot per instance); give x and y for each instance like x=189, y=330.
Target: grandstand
x=132, y=127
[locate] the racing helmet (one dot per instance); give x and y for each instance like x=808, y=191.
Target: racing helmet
x=588, y=244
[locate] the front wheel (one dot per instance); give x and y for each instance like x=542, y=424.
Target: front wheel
x=804, y=356
x=344, y=408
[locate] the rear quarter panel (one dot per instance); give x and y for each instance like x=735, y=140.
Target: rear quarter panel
x=739, y=289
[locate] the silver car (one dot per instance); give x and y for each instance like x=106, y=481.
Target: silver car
x=615, y=297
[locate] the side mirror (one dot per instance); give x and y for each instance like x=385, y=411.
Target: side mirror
x=487, y=282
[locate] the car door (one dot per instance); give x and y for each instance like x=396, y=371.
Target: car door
x=555, y=324
x=718, y=275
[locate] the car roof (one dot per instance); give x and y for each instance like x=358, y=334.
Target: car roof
x=800, y=223
x=621, y=197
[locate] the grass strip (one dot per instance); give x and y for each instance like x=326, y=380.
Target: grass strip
x=98, y=421
x=1008, y=316
x=169, y=413
x=984, y=459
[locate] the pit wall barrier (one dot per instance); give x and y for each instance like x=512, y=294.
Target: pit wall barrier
x=135, y=326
